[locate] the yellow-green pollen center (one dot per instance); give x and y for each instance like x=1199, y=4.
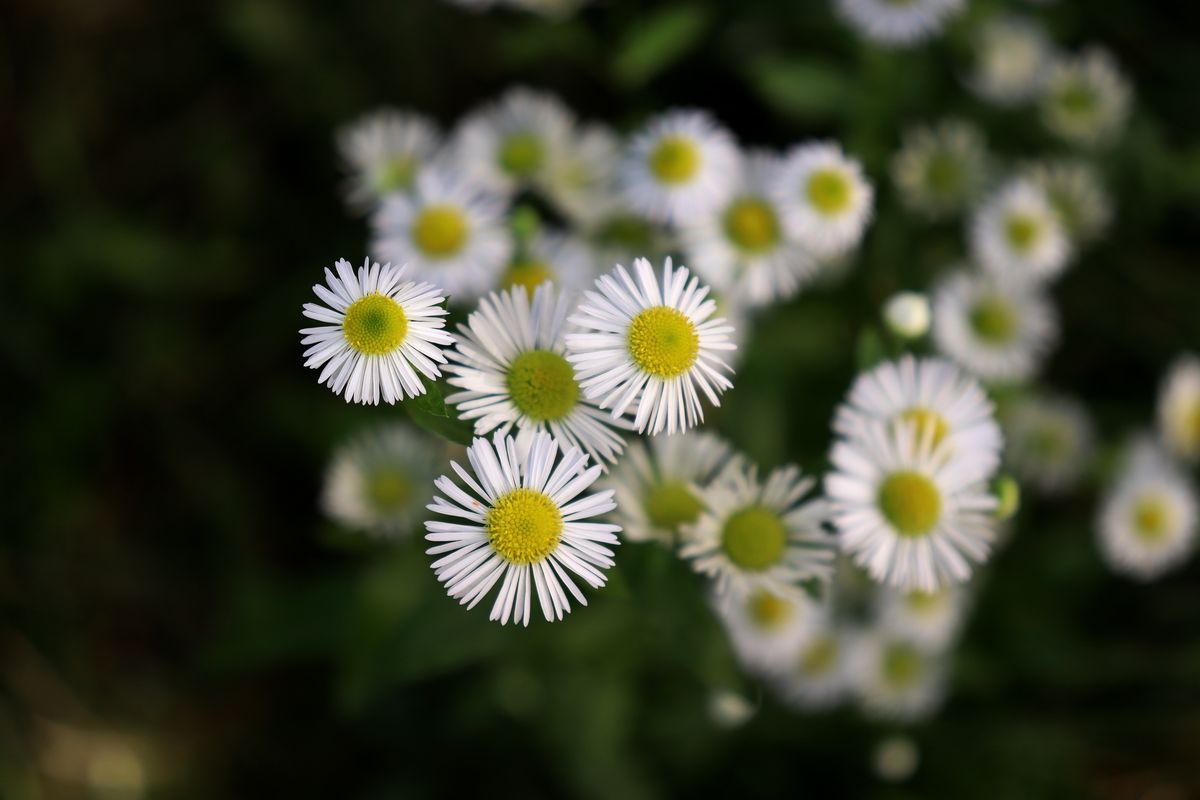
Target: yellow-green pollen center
x=829, y=191
x=1078, y=99
x=524, y=526
x=521, y=154
x=751, y=224
x=924, y=602
x=819, y=657
x=663, y=341
x=530, y=274
x=542, y=385
x=375, y=325
x=994, y=319
x=1022, y=231
x=910, y=502
x=1151, y=518
x=440, y=230
x=387, y=489
x=754, y=538
x=944, y=175
x=768, y=611
x=675, y=159
x=902, y=665
x=926, y=419
x=396, y=174
x=670, y=504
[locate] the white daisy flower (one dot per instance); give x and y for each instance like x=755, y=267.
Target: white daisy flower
x=522, y=525
x=508, y=360
x=824, y=197
x=650, y=347
x=579, y=178
x=932, y=394
x=681, y=164
x=1077, y=194
x=907, y=314
x=1179, y=408
x=383, y=152
x=898, y=23
x=818, y=677
x=551, y=256
x=1086, y=98
x=1147, y=524
x=742, y=247
x=1012, y=56
x=999, y=329
x=931, y=619
x=1048, y=441
x=756, y=535
x=380, y=333
x=1017, y=232
x=377, y=481
x=896, y=678
x=447, y=232
x=940, y=169
x=659, y=483
x=768, y=628
x=913, y=514
x=508, y=145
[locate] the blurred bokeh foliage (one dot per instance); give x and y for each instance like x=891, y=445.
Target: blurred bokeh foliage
x=171, y=193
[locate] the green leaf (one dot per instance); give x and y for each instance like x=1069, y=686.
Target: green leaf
x=869, y=350
x=802, y=89
x=430, y=411
x=661, y=39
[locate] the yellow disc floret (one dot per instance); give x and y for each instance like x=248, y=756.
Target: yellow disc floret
x=530, y=274
x=829, y=190
x=1151, y=518
x=542, y=385
x=675, y=159
x=926, y=419
x=910, y=502
x=521, y=154
x=524, y=526
x=751, y=224
x=1022, y=231
x=994, y=319
x=902, y=665
x=663, y=341
x=375, y=325
x=769, y=611
x=819, y=657
x=440, y=230
x=754, y=538
x=387, y=489
x=670, y=504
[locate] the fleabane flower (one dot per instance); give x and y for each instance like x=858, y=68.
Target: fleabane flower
x=818, y=676
x=742, y=247
x=377, y=481
x=1048, y=440
x=768, y=628
x=931, y=393
x=1000, y=329
x=579, y=178
x=509, y=144
x=1086, y=98
x=931, y=619
x=447, y=231
x=760, y=535
x=659, y=483
x=521, y=522
x=915, y=515
x=380, y=332
x=898, y=23
x=1147, y=523
x=383, y=152
x=509, y=363
x=551, y=256
x=895, y=677
x=1012, y=55
x=1077, y=194
x=824, y=198
x=682, y=163
x=940, y=169
x=650, y=347
x=1017, y=233
x=1179, y=408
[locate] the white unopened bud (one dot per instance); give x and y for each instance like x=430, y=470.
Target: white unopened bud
x=907, y=314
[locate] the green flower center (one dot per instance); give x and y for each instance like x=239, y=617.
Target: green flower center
x=902, y=665
x=1078, y=99
x=1049, y=442
x=524, y=526
x=624, y=230
x=819, y=657
x=752, y=225
x=396, y=174
x=924, y=602
x=542, y=385
x=829, y=191
x=1151, y=518
x=387, y=489
x=440, y=230
x=375, y=325
x=521, y=154
x=944, y=175
x=994, y=319
x=670, y=504
x=754, y=538
x=663, y=341
x=1022, y=231
x=675, y=159
x=530, y=274
x=768, y=611
x=923, y=419
x=910, y=502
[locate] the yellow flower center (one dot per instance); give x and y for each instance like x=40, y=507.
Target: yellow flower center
x=751, y=224
x=521, y=154
x=524, y=526
x=1151, y=518
x=994, y=319
x=670, y=504
x=675, y=159
x=754, y=538
x=663, y=341
x=926, y=419
x=902, y=665
x=1022, y=231
x=819, y=657
x=387, y=489
x=925, y=602
x=829, y=190
x=542, y=385
x=375, y=325
x=1078, y=99
x=768, y=611
x=910, y=502
x=530, y=274
x=944, y=175
x=396, y=174
x=440, y=230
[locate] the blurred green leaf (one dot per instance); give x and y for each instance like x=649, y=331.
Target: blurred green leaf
x=659, y=40
x=431, y=413
x=804, y=89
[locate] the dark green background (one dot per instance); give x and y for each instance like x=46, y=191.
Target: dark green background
x=170, y=194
